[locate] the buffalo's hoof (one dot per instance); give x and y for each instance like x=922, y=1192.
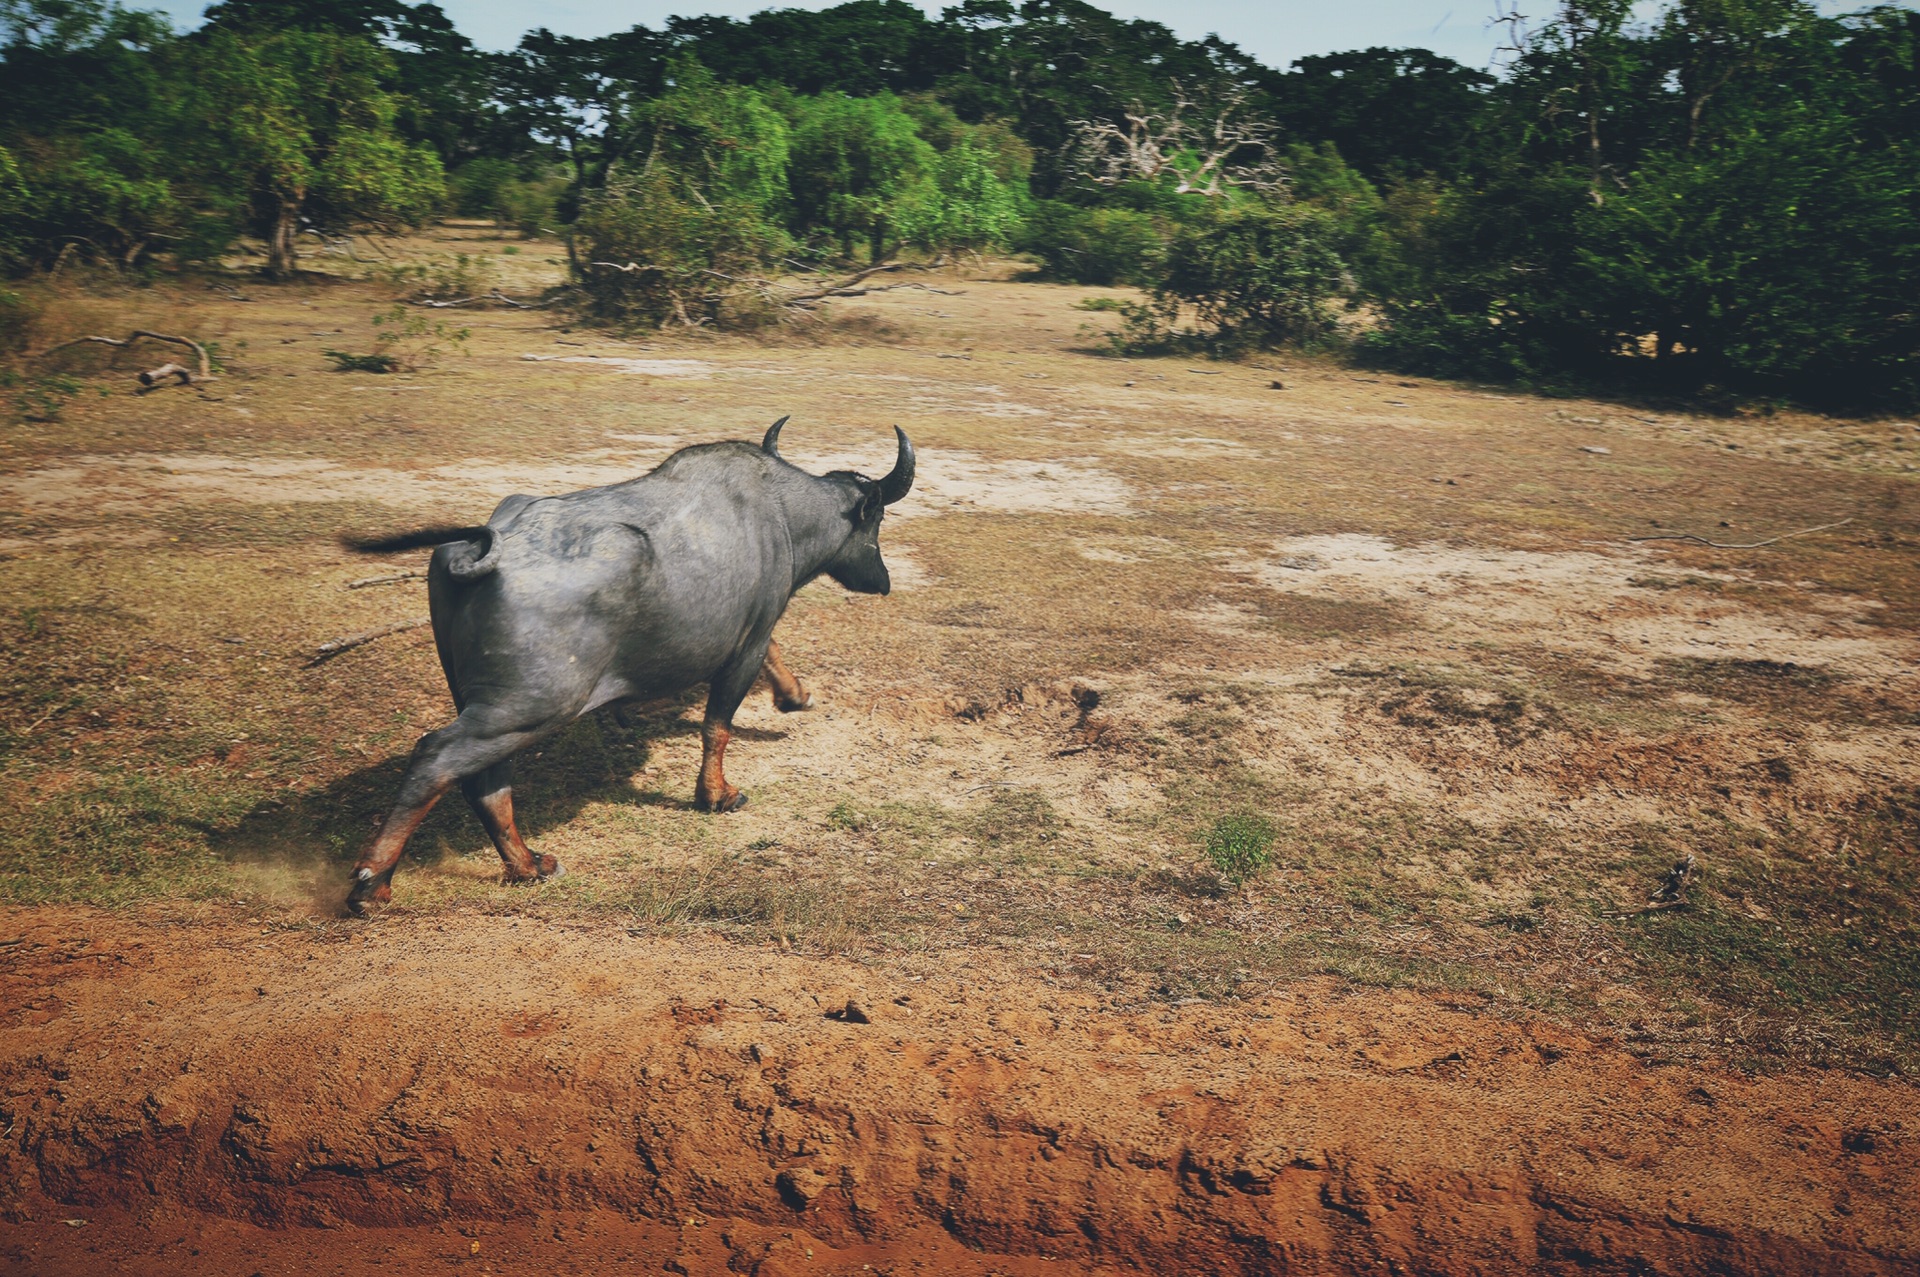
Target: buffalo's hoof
x=544, y=867
x=794, y=707
x=733, y=800
x=368, y=888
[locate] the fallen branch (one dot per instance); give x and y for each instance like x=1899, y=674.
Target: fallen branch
x=327, y=651
x=389, y=579
x=153, y=377
x=199, y=351
x=1741, y=545
x=495, y=296
x=887, y=288
x=834, y=290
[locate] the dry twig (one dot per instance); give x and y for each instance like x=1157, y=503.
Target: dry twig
x=389, y=579
x=327, y=651
x=1745, y=545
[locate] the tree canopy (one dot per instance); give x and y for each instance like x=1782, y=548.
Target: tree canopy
x=1723, y=196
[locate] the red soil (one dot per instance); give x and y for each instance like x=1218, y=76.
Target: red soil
x=499, y=1095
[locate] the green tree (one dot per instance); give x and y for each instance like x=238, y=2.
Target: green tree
x=722, y=142
x=859, y=166
x=298, y=127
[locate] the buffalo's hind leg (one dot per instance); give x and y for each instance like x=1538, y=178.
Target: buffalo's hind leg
x=788, y=696
x=724, y=694
x=490, y=794
x=462, y=748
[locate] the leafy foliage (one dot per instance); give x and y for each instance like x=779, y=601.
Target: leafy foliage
x=860, y=170
x=1261, y=275
x=1241, y=845
x=1093, y=245
x=651, y=253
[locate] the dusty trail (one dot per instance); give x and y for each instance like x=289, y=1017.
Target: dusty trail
x=499, y=1094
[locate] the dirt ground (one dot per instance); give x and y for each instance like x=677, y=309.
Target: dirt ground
x=1390, y=642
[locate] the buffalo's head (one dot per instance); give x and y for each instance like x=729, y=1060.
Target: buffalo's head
x=857, y=564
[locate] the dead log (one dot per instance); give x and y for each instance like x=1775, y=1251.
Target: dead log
x=327, y=651
x=199, y=352
x=836, y=290
x=155, y=376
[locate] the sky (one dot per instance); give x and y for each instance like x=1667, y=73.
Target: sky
x=1274, y=31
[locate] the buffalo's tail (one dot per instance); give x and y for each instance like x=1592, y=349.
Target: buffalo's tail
x=477, y=552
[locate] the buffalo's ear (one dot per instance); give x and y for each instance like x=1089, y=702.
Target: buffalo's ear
x=871, y=505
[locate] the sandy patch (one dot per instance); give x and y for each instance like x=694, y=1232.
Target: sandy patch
x=1577, y=602
x=698, y=368
x=133, y=484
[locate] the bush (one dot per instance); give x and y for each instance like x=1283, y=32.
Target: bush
x=649, y=255
x=494, y=188
x=1104, y=246
x=1240, y=846
x=1259, y=276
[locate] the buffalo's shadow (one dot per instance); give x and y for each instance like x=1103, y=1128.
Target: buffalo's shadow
x=318, y=834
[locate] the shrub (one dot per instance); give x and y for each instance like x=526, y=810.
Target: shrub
x=1240, y=846
x=495, y=188
x=1104, y=246
x=650, y=255
x=1262, y=276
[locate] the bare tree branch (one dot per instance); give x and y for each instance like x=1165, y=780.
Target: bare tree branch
x=1224, y=148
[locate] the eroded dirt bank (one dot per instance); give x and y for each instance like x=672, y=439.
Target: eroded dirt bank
x=498, y=1093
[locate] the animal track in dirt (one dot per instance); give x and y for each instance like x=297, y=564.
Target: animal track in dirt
x=562, y=1093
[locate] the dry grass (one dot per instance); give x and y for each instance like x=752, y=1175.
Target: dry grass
x=1397, y=623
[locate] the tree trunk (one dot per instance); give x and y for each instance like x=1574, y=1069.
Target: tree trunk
x=283, y=249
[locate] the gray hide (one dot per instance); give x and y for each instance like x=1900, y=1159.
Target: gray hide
x=632, y=591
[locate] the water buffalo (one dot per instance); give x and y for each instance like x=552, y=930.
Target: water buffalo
x=634, y=591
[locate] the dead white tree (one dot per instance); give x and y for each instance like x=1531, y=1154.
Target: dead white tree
x=1206, y=146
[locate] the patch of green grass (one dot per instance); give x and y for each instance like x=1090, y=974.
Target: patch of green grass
x=1241, y=845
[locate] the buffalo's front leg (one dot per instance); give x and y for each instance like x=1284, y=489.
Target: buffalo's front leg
x=713, y=793
x=788, y=696
x=490, y=794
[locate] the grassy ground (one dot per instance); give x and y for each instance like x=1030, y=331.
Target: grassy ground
x=1191, y=683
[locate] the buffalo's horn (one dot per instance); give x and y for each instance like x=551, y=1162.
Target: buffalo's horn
x=900, y=478
x=771, y=444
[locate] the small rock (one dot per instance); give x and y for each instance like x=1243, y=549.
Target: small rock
x=1597, y=451
x=759, y=1053
x=1276, y=384
x=1182, y=920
